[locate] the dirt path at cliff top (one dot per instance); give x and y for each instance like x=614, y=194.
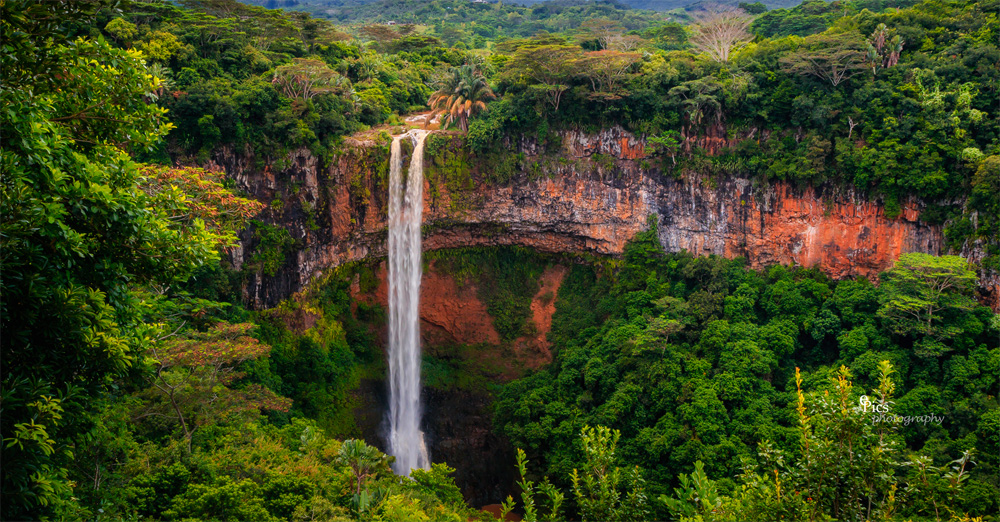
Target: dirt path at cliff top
x=415, y=120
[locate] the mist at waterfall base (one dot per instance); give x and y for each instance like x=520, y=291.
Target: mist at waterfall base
x=405, y=438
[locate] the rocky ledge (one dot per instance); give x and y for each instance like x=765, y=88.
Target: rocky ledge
x=591, y=196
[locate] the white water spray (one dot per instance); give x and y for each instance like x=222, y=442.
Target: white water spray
x=406, y=205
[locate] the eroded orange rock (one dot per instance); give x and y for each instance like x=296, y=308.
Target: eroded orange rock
x=843, y=237
x=579, y=202
x=534, y=349
x=451, y=315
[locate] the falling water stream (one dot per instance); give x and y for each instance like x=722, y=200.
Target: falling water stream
x=406, y=441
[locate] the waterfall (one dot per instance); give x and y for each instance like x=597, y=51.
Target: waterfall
x=406, y=441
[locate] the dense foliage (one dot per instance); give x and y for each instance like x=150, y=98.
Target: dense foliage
x=251, y=471
x=695, y=361
x=475, y=24
x=89, y=238
x=240, y=76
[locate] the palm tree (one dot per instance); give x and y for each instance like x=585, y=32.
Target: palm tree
x=363, y=460
x=460, y=96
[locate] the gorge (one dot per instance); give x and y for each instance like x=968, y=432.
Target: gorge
x=585, y=200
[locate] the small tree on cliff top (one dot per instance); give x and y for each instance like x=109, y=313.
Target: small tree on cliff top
x=832, y=59
x=305, y=78
x=603, y=30
x=719, y=31
x=607, y=71
x=547, y=66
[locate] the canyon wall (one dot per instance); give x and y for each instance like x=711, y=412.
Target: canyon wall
x=591, y=196
x=452, y=314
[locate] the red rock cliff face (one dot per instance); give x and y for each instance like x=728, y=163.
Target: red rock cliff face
x=452, y=315
x=593, y=196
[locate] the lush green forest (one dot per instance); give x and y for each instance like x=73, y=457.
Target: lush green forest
x=362, y=9
x=695, y=362
x=137, y=386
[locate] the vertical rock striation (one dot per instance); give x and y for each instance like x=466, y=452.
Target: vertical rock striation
x=592, y=196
